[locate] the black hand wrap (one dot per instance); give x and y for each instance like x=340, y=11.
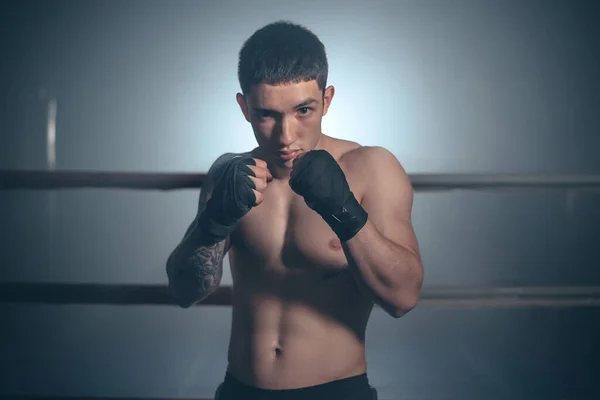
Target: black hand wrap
x=320, y=180
x=231, y=198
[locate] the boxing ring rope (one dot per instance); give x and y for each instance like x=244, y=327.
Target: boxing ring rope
x=55, y=180
x=444, y=296
x=438, y=297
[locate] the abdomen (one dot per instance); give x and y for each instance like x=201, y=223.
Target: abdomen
x=291, y=329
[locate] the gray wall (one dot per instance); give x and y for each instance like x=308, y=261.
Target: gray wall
x=447, y=86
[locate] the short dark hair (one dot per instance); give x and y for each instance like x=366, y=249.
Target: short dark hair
x=282, y=52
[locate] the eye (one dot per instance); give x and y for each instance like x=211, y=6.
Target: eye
x=304, y=110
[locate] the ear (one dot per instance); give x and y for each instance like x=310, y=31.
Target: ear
x=243, y=105
x=327, y=97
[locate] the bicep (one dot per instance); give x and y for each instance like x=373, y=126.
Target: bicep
x=388, y=199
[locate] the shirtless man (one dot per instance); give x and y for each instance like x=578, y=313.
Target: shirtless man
x=317, y=229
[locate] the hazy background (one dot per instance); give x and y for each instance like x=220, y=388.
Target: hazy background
x=447, y=86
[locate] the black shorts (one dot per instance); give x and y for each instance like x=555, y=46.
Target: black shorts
x=353, y=388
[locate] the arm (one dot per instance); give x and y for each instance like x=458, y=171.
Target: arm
x=195, y=266
x=384, y=255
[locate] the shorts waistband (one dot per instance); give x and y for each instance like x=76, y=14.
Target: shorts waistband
x=355, y=387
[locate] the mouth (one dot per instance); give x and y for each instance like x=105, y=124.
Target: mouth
x=287, y=155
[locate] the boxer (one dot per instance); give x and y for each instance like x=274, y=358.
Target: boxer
x=317, y=229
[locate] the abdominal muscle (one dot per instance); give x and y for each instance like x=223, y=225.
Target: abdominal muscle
x=292, y=329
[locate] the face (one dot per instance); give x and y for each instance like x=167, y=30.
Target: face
x=286, y=119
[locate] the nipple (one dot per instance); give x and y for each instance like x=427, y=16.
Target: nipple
x=335, y=244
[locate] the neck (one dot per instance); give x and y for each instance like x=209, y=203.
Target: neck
x=279, y=172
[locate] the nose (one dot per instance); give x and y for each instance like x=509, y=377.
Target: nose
x=287, y=132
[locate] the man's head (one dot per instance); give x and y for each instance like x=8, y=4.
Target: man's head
x=282, y=71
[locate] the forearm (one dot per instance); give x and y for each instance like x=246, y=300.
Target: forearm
x=195, y=268
x=391, y=274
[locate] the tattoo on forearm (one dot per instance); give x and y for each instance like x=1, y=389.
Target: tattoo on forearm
x=207, y=262
x=195, y=269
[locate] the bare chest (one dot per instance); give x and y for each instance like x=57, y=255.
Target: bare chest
x=284, y=233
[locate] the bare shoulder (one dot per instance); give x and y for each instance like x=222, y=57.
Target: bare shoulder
x=356, y=156
x=377, y=156
x=377, y=165
x=352, y=152
x=341, y=149
x=374, y=158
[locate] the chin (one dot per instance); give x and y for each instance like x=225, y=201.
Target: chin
x=287, y=164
